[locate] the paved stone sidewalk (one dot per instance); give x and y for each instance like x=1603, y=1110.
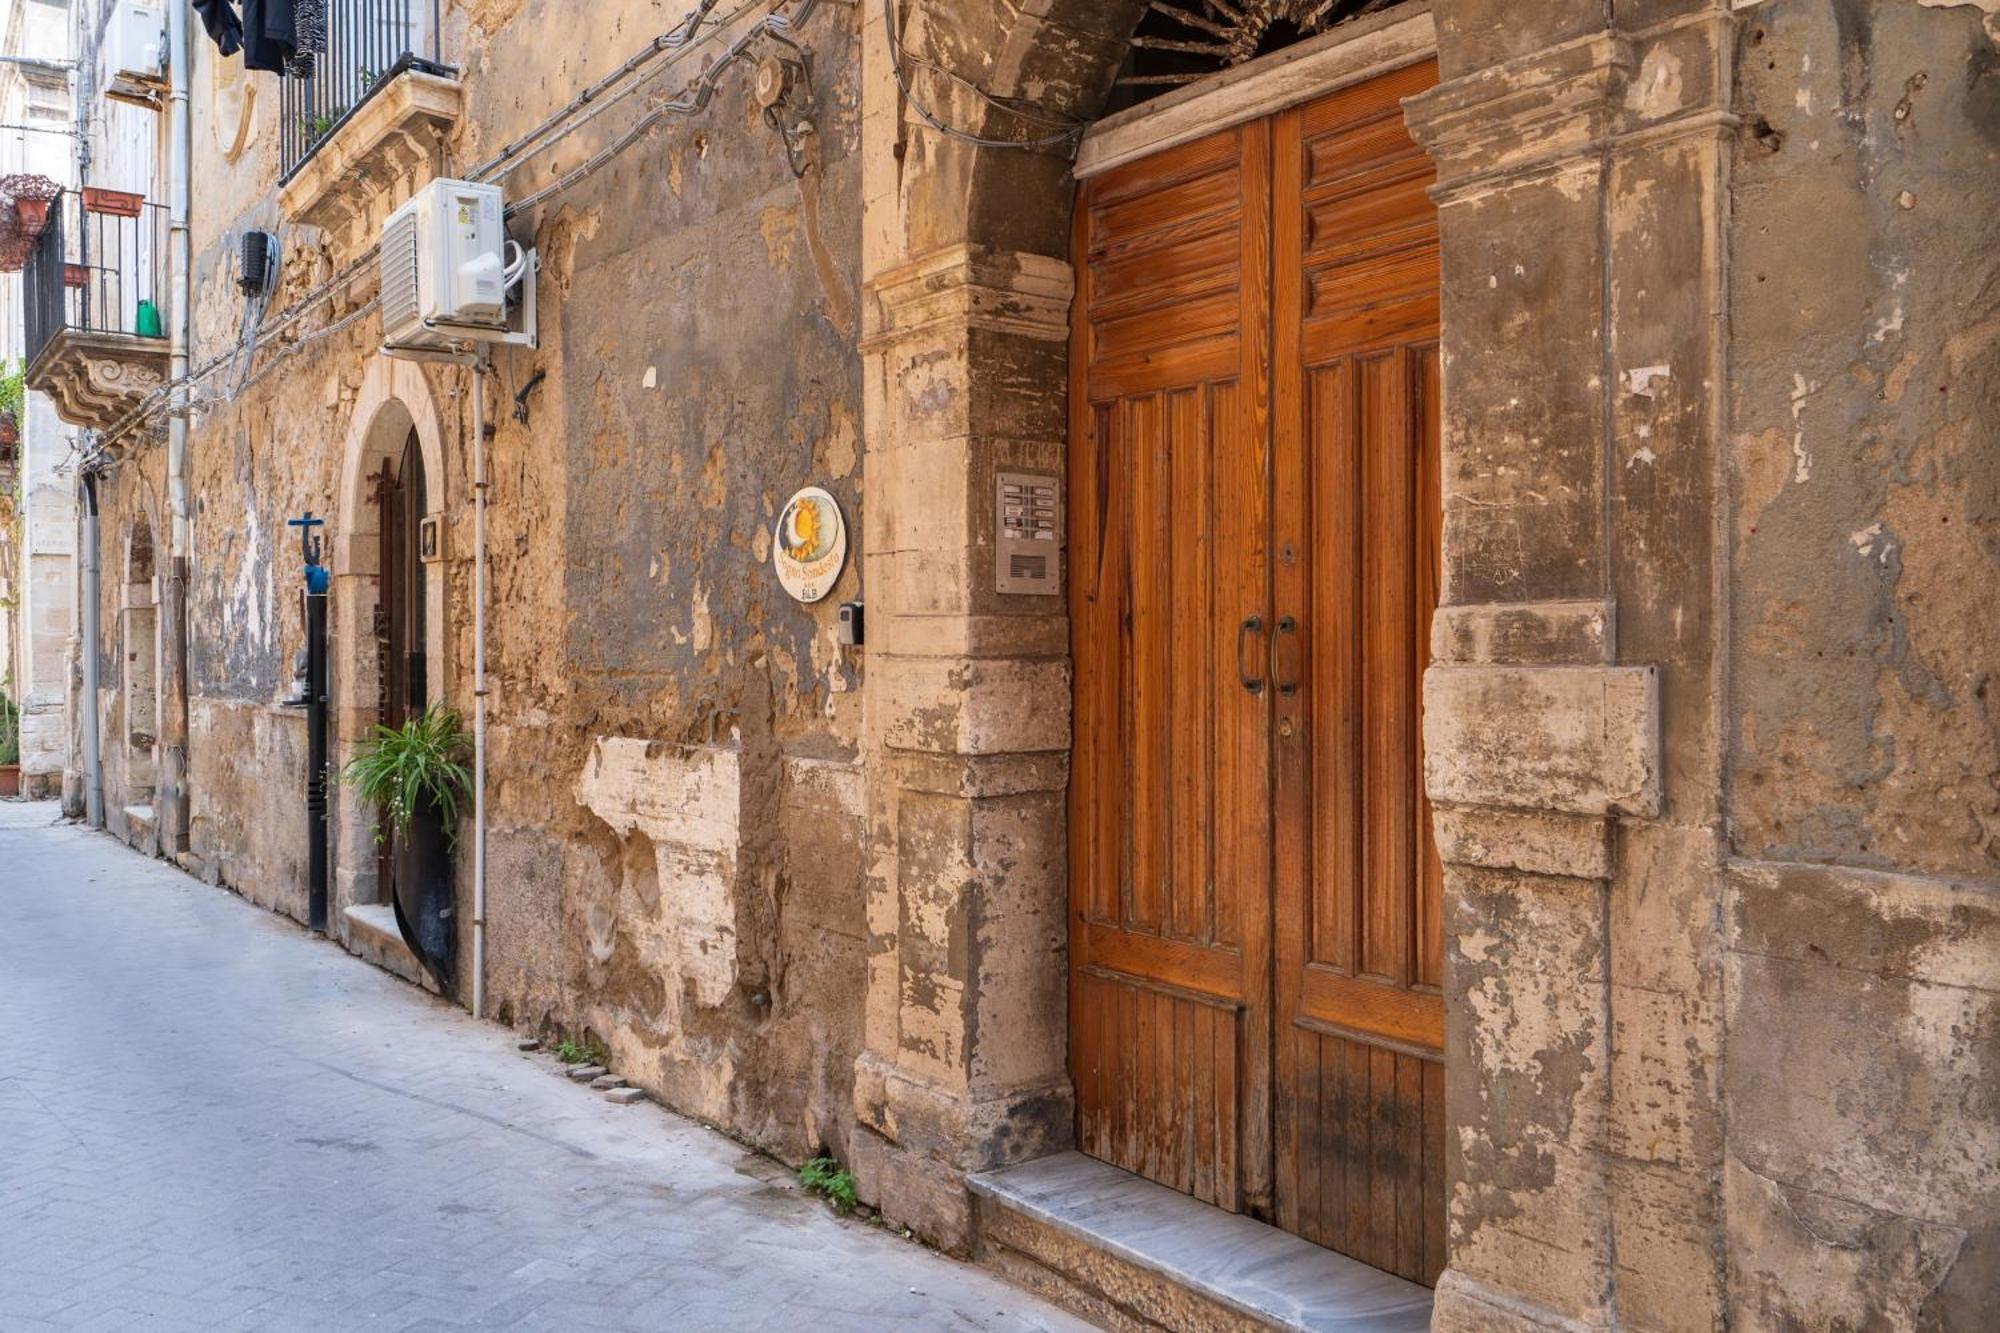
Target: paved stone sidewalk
x=209, y=1120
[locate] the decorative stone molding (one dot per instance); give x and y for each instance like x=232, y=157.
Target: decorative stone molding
x=1563, y=846
x=390, y=138
x=96, y=379
x=1575, y=740
x=1532, y=115
x=1522, y=633
x=1521, y=116
x=969, y=287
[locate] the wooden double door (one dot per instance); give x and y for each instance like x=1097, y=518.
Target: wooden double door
x=1256, y=944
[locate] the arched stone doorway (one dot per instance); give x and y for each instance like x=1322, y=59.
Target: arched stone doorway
x=1565, y=273
x=395, y=426
x=969, y=280
x=139, y=648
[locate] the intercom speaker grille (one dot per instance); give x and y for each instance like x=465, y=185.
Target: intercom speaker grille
x=1028, y=534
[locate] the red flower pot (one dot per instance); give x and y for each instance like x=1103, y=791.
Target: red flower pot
x=112, y=203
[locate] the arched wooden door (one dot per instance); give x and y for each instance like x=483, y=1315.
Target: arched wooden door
x=411, y=881
x=1256, y=943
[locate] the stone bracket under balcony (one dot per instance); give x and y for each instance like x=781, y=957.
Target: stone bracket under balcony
x=389, y=141
x=95, y=379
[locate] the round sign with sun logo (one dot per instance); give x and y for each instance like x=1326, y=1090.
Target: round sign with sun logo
x=810, y=545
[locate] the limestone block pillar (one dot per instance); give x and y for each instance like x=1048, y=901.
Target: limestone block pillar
x=965, y=339
x=968, y=725
x=1571, y=709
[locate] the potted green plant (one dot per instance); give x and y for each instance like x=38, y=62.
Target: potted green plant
x=10, y=746
x=415, y=777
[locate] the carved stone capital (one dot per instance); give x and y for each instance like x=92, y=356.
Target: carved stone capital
x=969, y=287
x=1539, y=114
x=1526, y=113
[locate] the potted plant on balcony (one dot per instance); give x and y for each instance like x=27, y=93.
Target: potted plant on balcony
x=29, y=197
x=415, y=777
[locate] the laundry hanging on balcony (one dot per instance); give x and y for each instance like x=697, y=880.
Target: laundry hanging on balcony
x=273, y=35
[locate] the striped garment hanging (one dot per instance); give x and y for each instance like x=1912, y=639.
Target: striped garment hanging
x=308, y=37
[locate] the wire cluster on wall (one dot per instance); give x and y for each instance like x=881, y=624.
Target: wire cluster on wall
x=696, y=31
x=667, y=51
x=1067, y=133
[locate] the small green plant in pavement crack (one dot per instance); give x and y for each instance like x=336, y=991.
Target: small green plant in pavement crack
x=827, y=1178
x=579, y=1053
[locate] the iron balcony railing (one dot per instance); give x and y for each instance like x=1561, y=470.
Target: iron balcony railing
x=101, y=269
x=368, y=42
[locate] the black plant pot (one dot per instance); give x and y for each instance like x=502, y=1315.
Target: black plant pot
x=424, y=894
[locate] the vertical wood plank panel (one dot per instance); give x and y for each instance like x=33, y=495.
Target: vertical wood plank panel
x=1201, y=1087
x=1228, y=1183
x=1384, y=1169
x=1361, y=1219
x=1435, y=1197
x=1334, y=543
x=1191, y=710
x=1408, y=1109
x=1307, y=1152
x=1386, y=618
x=1151, y=764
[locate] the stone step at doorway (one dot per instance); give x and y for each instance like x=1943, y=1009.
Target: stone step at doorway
x=1131, y=1254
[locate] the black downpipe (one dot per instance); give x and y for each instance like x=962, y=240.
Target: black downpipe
x=318, y=776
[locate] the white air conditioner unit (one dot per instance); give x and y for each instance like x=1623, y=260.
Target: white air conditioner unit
x=132, y=57
x=446, y=276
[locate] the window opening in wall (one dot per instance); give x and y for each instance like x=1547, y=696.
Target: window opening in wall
x=1180, y=42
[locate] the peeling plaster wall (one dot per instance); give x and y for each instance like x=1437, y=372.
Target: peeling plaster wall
x=1863, y=1084
x=698, y=345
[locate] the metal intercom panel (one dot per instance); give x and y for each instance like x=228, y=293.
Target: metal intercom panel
x=1028, y=550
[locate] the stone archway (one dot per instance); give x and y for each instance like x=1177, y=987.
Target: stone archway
x=395, y=400
x=139, y=649
x=1549, y=153
x=967, y=287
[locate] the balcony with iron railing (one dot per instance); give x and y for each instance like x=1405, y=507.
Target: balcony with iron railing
x=95, y=309
x=372, y=113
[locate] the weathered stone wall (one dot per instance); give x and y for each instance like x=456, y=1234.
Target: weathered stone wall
x=676, y=813
x=1863, y=1083
x=1720, y=372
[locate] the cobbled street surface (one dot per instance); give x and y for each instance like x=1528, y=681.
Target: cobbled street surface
x=210, y=1120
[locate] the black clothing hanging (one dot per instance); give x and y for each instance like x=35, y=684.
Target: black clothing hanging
x=274, y=35
x=219, y=17
x=269, y=37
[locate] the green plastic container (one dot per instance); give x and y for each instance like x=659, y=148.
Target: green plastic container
x=146, y=323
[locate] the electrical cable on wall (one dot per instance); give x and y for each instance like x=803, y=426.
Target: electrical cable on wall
x=1069, y=134
x=669, y=49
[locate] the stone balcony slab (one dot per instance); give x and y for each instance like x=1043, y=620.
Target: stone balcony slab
x=95, y=379
x=387, y=141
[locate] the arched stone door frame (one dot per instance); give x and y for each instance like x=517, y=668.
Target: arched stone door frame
x=140, y=675
x=1581, y=154
x=395, y=399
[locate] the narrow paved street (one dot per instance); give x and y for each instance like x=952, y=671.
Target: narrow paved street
x=210, y=1120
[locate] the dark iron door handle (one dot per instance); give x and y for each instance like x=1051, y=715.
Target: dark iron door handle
x=1251, y=625
x=1287, y=628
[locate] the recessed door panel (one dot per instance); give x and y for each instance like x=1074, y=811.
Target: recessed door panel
x=1171, y=845
x=1256, y=940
